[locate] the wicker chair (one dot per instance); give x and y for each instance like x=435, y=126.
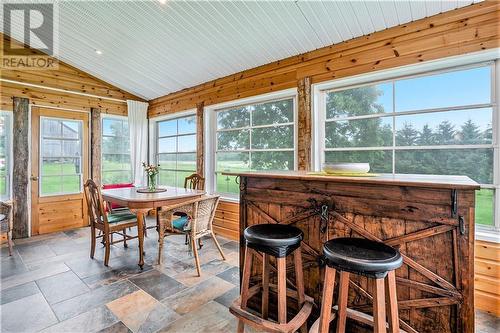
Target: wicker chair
x=6, y=222
x=107, y=223
x=192, y=182
x=197, y=223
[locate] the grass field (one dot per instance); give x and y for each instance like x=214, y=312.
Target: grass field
x=61, y=177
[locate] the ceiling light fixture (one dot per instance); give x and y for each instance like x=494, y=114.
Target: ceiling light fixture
x=162, y=1
x=99, y=52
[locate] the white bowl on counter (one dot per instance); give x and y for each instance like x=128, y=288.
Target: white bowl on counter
x=343, y=168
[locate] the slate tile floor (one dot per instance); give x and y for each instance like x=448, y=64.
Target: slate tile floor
x=51, y=285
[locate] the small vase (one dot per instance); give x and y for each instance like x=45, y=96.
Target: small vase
x=152, y=183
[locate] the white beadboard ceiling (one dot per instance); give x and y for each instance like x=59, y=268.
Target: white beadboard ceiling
x=151, y=49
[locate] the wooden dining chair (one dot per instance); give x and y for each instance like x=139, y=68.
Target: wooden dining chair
x=196, y=223
x=194, y=182
x=108, y=223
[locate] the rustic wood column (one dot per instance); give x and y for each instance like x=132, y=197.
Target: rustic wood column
x=304, y=124
x=200, y=139
x=20, y=179
x=95, y=144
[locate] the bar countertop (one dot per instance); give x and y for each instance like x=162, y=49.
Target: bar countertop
x=428, y=181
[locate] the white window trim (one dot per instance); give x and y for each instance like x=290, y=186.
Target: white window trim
x=112, y=116
x=153, y=131
x=210, y=130
x=482, y=232
x=9, y=154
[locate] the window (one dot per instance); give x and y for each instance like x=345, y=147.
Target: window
x=116, y=166
x=60, y=156
x=5, y=154
x=437, y=123
x=176, y=149
x=258, y=136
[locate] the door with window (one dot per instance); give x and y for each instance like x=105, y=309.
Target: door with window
x=59, y=168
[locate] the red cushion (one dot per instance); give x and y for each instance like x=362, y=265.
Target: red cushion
x=112, y=186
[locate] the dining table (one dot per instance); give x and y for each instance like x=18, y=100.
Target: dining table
x=141, y=203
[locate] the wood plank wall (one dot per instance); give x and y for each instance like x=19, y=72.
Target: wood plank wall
x=68, y=80
x=460, y=31
x=487, y=276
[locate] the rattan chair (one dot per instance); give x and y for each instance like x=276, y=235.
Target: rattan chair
x=6, y=222
x=197, y=223
x=107, y=223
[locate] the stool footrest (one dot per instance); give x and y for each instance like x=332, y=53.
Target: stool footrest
x=352, y=314
x=254, y=320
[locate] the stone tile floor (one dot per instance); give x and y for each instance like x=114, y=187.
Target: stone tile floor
x=51, y=285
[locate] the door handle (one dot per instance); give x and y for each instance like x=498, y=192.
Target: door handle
x=34, y=178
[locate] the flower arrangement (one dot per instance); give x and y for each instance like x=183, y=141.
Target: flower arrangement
x=151, y=171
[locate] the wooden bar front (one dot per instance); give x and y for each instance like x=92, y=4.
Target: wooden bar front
x=429, y=218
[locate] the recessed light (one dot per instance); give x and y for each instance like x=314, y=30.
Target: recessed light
x=162, y=1
x=99, y=52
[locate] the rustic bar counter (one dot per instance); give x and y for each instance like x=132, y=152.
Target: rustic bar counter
x=429, y=218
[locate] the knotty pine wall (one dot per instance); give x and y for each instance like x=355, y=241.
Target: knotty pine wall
x=68, y=79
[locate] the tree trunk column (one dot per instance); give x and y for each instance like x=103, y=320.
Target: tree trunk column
x=95, y=144
x=304, y=124
x=20, y=179
x=200, y=139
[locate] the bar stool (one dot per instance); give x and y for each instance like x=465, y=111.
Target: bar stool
x=278, y=241
x=360, y=256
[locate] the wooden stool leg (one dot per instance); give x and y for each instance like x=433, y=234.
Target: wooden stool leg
x=343, y=294
x=392, y=302
x=281, y=265
x=265, y=286
x=326, y=300
x=245, y=284
x=379, y=307
x=299, y=281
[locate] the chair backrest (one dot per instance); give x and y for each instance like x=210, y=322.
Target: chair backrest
x=203, y=214
x=194, y=182
x=96, y=207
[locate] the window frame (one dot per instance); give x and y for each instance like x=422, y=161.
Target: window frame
x=489, y=58
x=122, y=118
x=211, y=131
x=8, y=155
x=40, y=157
x=154, y=135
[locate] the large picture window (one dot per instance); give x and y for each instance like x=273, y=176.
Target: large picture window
x=5, y=154
x=176, y=149
x=256, y=136
x=439, y=123
x=116, y=165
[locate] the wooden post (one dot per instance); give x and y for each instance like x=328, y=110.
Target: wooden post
x=200, y=140
x=304, y=124
x=20, y=179
x=95, y=144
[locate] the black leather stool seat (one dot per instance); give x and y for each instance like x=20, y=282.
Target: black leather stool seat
x=278, y=240
x=361, y=256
